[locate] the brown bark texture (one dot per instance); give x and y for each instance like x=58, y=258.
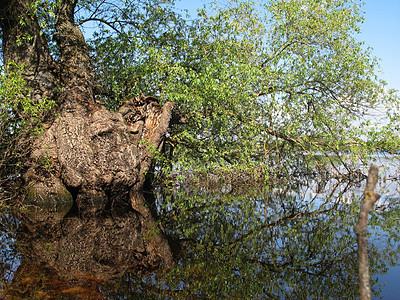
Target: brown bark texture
x=88, y=156
x=370, y=197
x=24, y=44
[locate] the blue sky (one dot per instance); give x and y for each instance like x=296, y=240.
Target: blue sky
x=380, y=30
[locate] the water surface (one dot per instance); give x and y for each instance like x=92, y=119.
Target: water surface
x=292, y=239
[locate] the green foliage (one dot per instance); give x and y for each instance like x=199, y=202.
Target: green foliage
x=251, y=79
x=17, y=107
x=20, y=118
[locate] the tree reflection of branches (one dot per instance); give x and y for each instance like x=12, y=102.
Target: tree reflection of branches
x=288, y=238
x=9, y=257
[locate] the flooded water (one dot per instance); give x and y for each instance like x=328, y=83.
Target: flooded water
x=292, y=239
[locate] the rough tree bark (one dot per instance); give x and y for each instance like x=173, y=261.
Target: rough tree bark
x=88, y=155
x=24, y=44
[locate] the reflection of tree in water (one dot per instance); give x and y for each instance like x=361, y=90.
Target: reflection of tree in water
x=9, y=257
x=71, y=254
x=283, y=241
x=293, y=239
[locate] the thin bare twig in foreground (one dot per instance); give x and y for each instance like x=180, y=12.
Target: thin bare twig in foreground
x=370, y=197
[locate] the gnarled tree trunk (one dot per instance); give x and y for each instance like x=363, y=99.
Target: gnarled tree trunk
x=96, y=157
x=87, y=155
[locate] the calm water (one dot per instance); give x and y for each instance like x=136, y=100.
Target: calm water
x=289, y=240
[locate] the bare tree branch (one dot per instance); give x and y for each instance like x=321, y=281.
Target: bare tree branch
x=370, y=197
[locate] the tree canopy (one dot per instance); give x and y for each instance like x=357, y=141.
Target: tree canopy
x=257, y=83
x=254, y=80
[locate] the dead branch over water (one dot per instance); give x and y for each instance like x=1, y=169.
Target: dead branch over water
x=370, y=197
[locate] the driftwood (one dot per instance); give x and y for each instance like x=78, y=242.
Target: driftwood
x=370, y=197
